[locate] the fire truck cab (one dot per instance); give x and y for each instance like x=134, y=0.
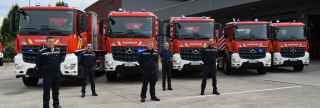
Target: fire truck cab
x=290, y=46
x=69, y=26
x=247, y=45
x=126, y=33
x=187, y=36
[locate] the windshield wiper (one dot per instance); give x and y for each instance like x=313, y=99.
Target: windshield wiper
x=30, y=30
x=193, y=37
x=54, y=31
x=117, y=33
x=186, y=37
x=127, y=35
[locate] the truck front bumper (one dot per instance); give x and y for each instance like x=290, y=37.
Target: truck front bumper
x=111, y=64
x=237, y=62
x=178, y=63
x=68, y=68
x=22, y=67
x=278, y=60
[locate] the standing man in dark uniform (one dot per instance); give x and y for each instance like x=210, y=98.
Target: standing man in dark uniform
x=148, y=60
x=166, y=60
x=48, y=63
x=88, y=63
x=208, y=55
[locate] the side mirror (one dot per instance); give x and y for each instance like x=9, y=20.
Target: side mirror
x=15, y=20
x=272, y=32
x=218, y=28
x=167, y=30
x=111, y=21
x=83, y=24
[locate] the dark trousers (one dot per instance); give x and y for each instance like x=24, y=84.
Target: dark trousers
x=50, y=83
x=145, y=88
x=166, y=73
x=208, y=70
x=88, y=75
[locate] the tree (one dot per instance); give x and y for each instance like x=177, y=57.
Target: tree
x=7, y=32
x=61, y=3
x=14, y=21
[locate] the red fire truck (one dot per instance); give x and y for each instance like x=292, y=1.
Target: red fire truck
x=2, y=48
x=127, y=32
x=246, y=46
x=72, y=29
x=290, y=46
x=187, y=36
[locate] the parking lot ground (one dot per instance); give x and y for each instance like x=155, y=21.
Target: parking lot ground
x=280, y=88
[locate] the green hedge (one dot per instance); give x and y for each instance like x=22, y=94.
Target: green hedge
x=10, y=52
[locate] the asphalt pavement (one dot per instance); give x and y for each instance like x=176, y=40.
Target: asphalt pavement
x=279, y=88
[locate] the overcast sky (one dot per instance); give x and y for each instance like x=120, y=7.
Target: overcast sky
x=5, y=5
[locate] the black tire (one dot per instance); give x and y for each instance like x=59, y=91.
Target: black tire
x=262, y=70
x=30, y=81
x=112, y=76
x=1, y=62
x=298, y=68
x=227, y=69
x=174, y=73
x=219, y=64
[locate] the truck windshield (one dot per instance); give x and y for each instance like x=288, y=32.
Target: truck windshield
x=195, y=30
x=289, y=33
x=52, y=23
x=130, y=27
x=251, y=32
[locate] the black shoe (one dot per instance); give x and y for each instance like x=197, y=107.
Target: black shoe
x=170, y=89
x=143, y=100
x=94, y=94
x=201, y=93
x=83, y=95
x=57, y=106
x=155, y=99
x=215, y=93
x=163, y=89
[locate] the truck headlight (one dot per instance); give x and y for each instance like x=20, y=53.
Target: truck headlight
x=109, y=63
x=176, y=59
x=70, y=66
x=18, y=67
x=276, y=59
x=235, y=60
x=1, y=55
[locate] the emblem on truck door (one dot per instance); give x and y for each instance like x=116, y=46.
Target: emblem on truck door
x=129, y=51
x=195, y=52
x=253, y=51
x=292, y=50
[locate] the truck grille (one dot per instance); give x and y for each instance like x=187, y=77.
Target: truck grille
x=127, y=54
x=192, y=54
x=292, y=52
x=252, y=53
x=29, y=53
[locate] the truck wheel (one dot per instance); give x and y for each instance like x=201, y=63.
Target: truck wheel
x=262, y=70
x=219, y=63
x=227, y=64
x=112, y=76
x=30, y=81
x=1, y=62
x=298, y=68
x=174, y=73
